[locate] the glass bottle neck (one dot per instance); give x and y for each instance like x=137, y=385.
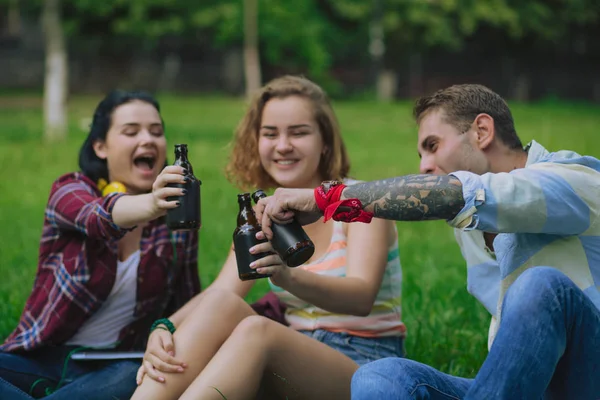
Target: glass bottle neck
x=259, y=194
x=181, y=159
x=246, y=214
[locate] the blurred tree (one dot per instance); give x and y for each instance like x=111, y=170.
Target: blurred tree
x=251, y=52
x=514, y=27
x=316, y=37
x=292, y=38
x=13, y=18
x=56, y=76
x=384, y=81
x=546, y=27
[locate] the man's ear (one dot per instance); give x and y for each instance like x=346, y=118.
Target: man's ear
x=99, y=147
x=486, y=132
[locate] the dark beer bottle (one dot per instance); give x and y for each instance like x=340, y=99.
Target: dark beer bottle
x=187, y=216
x=244, y=237
x=289, y=240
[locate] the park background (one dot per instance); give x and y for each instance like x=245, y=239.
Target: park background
x=202, y=59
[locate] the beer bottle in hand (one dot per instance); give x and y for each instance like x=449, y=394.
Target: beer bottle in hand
x=289, y=240
x=187, y=216
x=244, y=237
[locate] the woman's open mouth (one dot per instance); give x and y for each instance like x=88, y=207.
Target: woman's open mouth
x=145, y=162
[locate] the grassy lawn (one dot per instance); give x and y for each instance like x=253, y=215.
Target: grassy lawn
x=446, y=327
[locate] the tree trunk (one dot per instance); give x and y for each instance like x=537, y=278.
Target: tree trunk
x=387, y=83
x=251, y=55
x=377, y=51
x=56, y=76
x=415, y=73
x=14, y=18
x=522, y=87
x=233, y=70
x=170, y=69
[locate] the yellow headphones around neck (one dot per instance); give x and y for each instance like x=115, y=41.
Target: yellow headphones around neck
x=112, y=187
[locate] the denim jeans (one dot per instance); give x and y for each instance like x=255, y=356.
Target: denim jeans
x=361, y=350
x=547, y=347
x=33, y=375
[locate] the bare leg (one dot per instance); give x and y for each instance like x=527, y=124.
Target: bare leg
x=197, y=340
x=291, y=364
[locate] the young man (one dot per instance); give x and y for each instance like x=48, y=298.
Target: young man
x=528, y=223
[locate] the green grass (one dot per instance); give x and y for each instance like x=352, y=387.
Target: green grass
x=446, y=327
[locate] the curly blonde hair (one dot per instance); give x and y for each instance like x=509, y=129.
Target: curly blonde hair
x=245, y=169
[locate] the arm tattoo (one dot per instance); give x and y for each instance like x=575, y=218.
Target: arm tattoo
x=410, y=197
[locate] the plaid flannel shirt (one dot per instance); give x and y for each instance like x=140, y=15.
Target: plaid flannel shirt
x=77, y=268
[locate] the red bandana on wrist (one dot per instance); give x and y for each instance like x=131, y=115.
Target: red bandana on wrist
x=329, y=203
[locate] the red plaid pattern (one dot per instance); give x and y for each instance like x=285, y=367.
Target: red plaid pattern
x=77, y=268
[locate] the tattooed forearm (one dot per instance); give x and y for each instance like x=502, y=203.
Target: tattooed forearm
x=410, y=197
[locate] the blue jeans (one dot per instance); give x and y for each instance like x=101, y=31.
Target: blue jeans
x=547, y=347
x=361, y=350
x=35, y=374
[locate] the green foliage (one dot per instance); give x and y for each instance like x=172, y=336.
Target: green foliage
x=306, y=28
x=313, y=36
x=288, y=34
x=150, y=19
x=422, y=24
x=426, y=24
x=224, y=19
x=298, y=37
x=551, y=20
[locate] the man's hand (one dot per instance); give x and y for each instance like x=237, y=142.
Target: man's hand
x=284, y=205
x=159, y=356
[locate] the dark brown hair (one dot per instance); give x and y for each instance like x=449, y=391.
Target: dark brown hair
x=89, y=163
x=462, y=103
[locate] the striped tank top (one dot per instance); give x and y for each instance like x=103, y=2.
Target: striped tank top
x=385, y=317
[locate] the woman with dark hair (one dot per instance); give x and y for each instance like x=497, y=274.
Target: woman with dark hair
x=108, y=265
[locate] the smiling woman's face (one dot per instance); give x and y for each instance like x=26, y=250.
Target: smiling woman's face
x=290, y=143
x=135, y=146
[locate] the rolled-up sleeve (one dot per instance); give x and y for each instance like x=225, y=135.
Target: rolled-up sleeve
x=546, y=198
x=73, y=205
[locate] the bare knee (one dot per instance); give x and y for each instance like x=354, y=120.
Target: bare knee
x=221, y=300
x=217, y=305
x=254, y=324
x=214, y=318
x=255, y=328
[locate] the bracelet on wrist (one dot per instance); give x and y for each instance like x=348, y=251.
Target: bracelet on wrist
x=168, y=325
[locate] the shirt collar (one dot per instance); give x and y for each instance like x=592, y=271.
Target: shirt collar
x=535, y=153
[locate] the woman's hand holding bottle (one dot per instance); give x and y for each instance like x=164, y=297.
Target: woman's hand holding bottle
x=130, y=211
x=271, y=264
x=171, y=174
